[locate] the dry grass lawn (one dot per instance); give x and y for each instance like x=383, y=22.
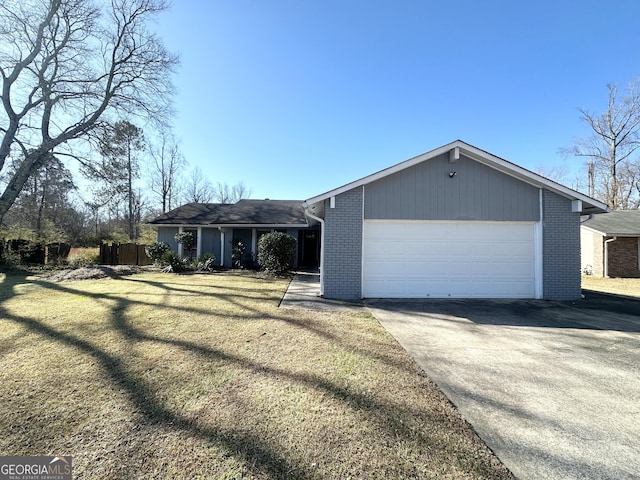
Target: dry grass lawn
x=629, y=287
x=202, y=376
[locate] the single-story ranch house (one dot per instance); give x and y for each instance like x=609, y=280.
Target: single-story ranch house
x=217, y=227
x=610, y=244
x=455, y=222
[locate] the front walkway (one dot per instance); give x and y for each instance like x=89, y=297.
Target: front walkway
x=304, y=293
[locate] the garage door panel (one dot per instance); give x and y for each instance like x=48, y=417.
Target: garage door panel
x=449, y=259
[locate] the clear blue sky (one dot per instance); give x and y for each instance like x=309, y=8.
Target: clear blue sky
x=296, y=97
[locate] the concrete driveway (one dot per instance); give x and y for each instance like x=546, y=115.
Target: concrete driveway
x=552, y=388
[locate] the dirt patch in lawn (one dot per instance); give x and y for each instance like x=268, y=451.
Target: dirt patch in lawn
x=93, y=272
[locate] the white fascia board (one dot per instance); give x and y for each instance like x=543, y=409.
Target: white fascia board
x=258, y=225
x=178, y=225
x=232, y=225
x=593, y=230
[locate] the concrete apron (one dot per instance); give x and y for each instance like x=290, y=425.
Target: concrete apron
x=553, y=390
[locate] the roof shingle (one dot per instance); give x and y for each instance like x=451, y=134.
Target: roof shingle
x=244, y=212
x=619, y=222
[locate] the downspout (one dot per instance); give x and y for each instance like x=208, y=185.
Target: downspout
x=606, y=255
x=318, y=219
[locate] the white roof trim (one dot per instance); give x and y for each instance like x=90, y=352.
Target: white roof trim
x=232, y=225
x=476, y=154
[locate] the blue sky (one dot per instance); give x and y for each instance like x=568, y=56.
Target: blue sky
x=296, y=97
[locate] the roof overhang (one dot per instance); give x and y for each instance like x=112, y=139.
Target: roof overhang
x=457, y=148
x=232, y=225
x=610, y=234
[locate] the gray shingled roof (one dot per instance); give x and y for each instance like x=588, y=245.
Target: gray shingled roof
x=620, y=222
x=244, y=212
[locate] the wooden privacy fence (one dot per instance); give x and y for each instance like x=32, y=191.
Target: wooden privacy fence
x=123, y=254
x=36, y=253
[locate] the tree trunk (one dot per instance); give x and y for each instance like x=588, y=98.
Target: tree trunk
x=29, y=165
x=130, y=194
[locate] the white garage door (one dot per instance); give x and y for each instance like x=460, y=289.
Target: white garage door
x=419, y=259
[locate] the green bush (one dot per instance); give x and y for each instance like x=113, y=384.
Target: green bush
x=84, y=257
x=276, y=251
x=237, y=253
x=206, y=262
x=156, y=251
x=174, y=262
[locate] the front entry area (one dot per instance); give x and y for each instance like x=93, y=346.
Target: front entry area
x=309, y=248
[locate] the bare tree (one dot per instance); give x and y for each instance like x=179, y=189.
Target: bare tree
x=168, y=163
x=222, y=193
x=610, y=149
x=64, y=66
x=198, y=189
x=226, y=194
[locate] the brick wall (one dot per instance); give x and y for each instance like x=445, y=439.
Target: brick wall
x=343, y=247
x=561, y=248
x=598, y=255
x=623, y=257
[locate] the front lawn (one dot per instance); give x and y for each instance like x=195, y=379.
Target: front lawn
x=203, y=376
x=629, y=287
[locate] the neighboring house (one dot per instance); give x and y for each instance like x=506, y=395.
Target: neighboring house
x=611, y=244
x=218, y=226
x=455, y=222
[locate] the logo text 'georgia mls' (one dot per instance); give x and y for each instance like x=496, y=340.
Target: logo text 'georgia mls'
x=36, y=468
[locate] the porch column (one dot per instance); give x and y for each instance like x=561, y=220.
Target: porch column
x=222, y=236
x=199, y=243
x=180, y=230
x=254, y=243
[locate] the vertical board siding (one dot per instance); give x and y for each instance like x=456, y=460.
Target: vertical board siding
x=211, y=242
x=561, y=240
x=167, y=235
x=426, y=192
x=343, y=246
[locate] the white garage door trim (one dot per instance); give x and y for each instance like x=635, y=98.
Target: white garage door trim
x=446, y=259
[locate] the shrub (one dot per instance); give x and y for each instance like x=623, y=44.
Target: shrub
x=276, y=251
x=156, y=251
x=206, y=262
x=174, y=262
x=237, y=252
x=83, y=257
x=186, y=239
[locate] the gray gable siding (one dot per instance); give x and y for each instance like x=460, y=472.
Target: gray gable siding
x=561, y=252
x=343, y=246
x=476, y=192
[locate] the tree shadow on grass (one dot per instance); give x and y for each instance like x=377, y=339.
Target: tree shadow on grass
x=237, y=442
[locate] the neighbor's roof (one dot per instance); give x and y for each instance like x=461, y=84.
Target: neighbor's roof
x=618, y=223
x=458, y=147
x=243, y=213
